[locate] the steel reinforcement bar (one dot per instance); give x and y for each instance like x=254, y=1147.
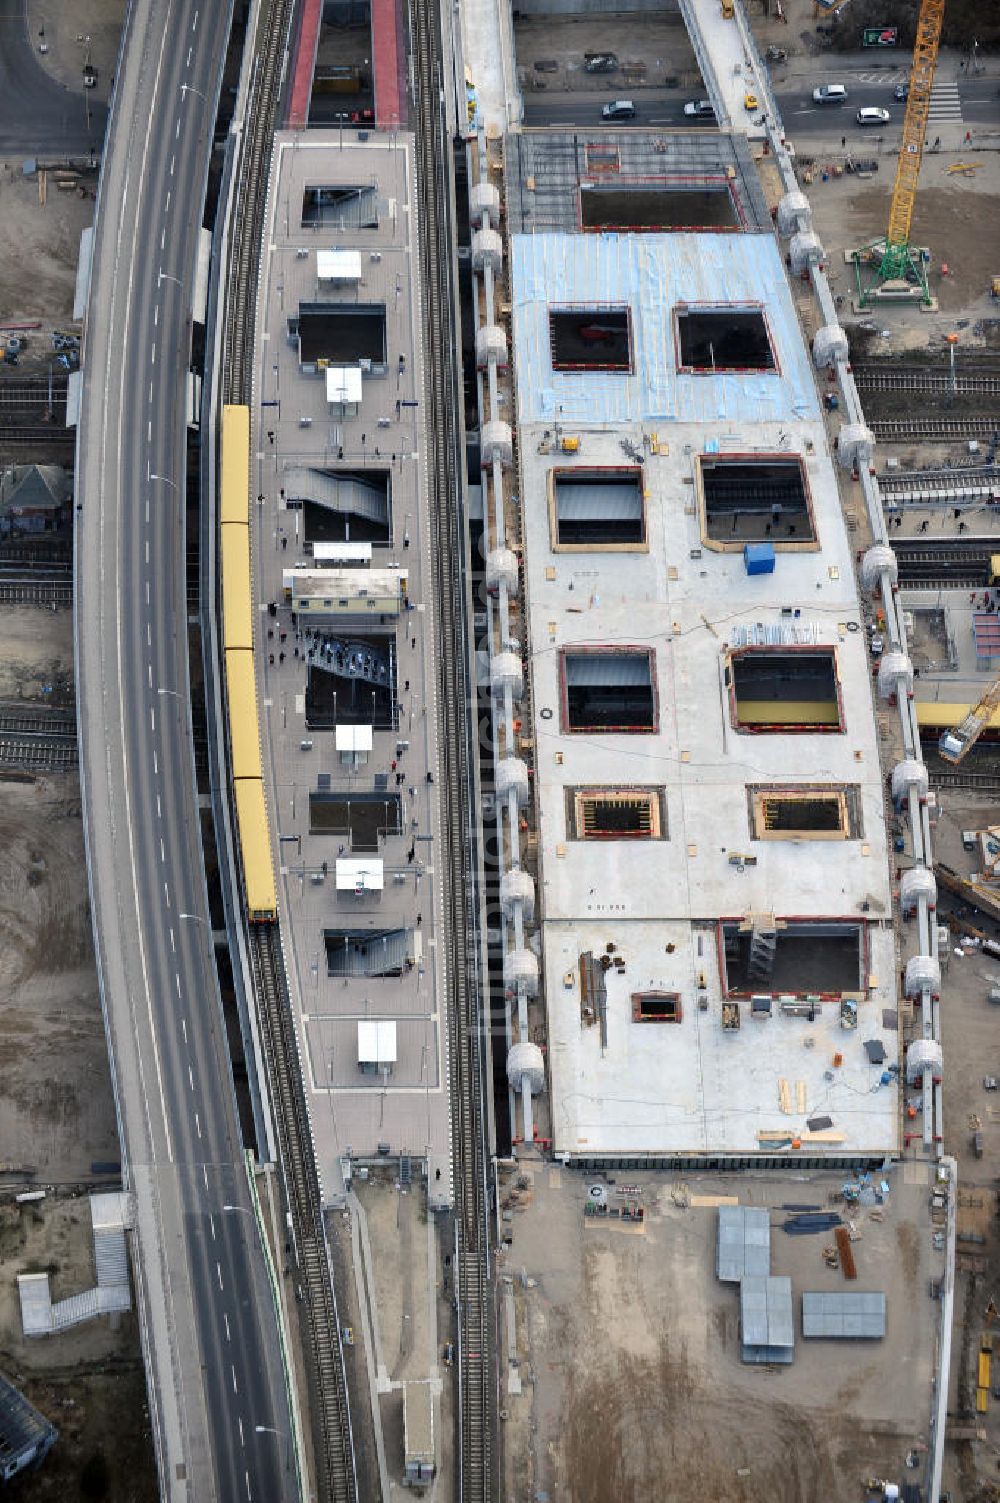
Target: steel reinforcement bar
x=465, y=1014
x=334, y=1448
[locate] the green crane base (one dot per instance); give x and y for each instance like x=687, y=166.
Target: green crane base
x=888, y=273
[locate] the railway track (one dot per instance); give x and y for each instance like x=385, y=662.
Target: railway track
x=943, y=430
x=38, y=753
x=476, y=1334
x=924, y=378
x=323, y=1352
x=12, y=434
x=986, y=784
x=323, y=1342
x=18, y=719
x=50, y=584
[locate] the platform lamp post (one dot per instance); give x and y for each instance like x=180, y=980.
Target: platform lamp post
x=340, y=117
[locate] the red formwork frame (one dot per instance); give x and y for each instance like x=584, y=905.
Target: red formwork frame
x=598, y=649
x=722, y=306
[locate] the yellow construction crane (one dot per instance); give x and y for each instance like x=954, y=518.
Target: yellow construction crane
x=894, y=259
x=954, y=744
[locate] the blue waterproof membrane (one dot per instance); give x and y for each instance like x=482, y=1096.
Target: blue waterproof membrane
x=651, y=274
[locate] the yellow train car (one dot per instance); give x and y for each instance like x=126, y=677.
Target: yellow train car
x=244, y=722
x=235, y=497
x=237, y=611
x=255, y=844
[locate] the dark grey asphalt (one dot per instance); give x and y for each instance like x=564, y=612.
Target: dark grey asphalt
x=39, y=116
x=151, y=917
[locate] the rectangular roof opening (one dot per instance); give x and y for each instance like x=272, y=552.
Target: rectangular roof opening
x=752, y=499
x=784, y=689
x=598, y=508
x=807, y=957
x=616, y=814
x=656, y=1007
x=341, y=333
x=366, y=952
x=609, y=689
x=723, y=339
x=344, y=506
x=591, y=338
x=340, y=206
x=805, y=813
x=350, y=680
x=698, y=205
x=364, y=818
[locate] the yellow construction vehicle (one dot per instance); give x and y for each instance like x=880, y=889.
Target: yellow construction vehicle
x=893, y=259
x=955, y=744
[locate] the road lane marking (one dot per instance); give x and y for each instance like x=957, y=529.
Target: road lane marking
x=177, y=983
x=188, y=63
x=218, y=1271
x=197, y=1123
x=156, y=310
x=177, y=132
x=190, y=1077
x=204, y=1174
x=152, y=719
x=150, y=398
x=149, y=635
x=149, y=673
x=147, y=550
x=149, y=440
x=239, y=1420
x=159, y=815
x=225, y=1322
x=163, y=237
x=156, y=770
x=167, y=205
x=194, y=23
x=163, y=857
x=152, y=354
x=211, y=1227
x=232, y=1369
x=247, y=1476
x=173, y=159
x=166, y=885
x=173, y=942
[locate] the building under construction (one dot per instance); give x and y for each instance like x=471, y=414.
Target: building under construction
x=718, y=960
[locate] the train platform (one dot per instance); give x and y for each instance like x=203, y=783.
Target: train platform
x=304, y=65
x=346, y=652
x=389, y=57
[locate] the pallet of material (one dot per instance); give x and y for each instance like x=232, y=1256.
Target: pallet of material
x=710, y=1202
x=847, y=1263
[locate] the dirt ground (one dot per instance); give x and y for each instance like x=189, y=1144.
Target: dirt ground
x=628, y=1355
x=89, y=1381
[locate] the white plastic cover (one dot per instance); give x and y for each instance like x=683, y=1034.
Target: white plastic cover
x=525, y=1063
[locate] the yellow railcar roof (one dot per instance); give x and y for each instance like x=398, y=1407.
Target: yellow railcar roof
x=936, y=715
x=255, y=843
x=244, y=725
x=235, y=499
x=237, y=615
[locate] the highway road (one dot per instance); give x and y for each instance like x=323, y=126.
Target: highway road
x=974, y=103
x=220, y=1414
x=38, y=115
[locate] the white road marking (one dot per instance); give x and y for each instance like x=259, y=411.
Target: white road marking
x=204, y=1174
x=177, y=132
x=147, y=550
x=190, y=1077
x=159, y=814
x=149, y=635
x=184, y=1026
x=163, y=857
x=167, y=206
x=149, y=673
x=188, y=63
x=225, y=1322
x=156, y=770
x=163, y=237
x=166, y=887
x=211, y=1227
x=232, y=1369
x=156, y=310
x=247, y=1476
x=149, y=440
x=173, y=160
x=152, y=719
x=173, y=942
x=147, y=591
x=150, y=398
x=218, y=1271
x=152, y=355
x=238, y=1421
x=197, y=1123
x=194, y=23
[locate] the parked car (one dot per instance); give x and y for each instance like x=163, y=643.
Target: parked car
x=619, y=109
x=901, y=91
x=599, y=62
x=776, y=55
x=830, y=93
x=699, y=108
x=872, y=116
